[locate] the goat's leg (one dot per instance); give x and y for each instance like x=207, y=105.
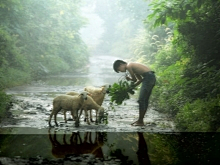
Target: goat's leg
x=85, y=137
x=86, y=114
x=85, y=119
x=64, y=112
x=55, y=118
x=79, y=137
x=96, y=117
x=64, y=139
x=74, y=117
x=73, y=138
x=77, y=118
x=80, y=113
x=50, y=118
x=91, y=116
x=54, y=112
x=90, y=137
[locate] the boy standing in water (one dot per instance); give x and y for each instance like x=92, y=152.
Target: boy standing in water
x=139, y=73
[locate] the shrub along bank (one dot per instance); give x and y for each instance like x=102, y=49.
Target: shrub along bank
x=38, y=38
x=187, y=63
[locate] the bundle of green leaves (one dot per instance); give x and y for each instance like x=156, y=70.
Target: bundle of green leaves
x=104, y=119
x=120, y=91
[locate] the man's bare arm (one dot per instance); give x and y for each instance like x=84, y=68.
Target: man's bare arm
x=133, y=77
x=139, y=80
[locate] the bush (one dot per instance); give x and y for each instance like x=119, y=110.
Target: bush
x=168, y=93
x=13, y=77
x=4, y=104
x=199, y=116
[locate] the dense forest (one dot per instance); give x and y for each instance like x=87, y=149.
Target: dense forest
x=39, y=38
x=188, y=64
x=178, y=39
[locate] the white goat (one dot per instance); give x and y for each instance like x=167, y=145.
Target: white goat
x=89, y=104
x=68, y=103
x=98, y=95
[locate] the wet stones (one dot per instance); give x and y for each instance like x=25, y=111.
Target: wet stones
x=40, y=107
x=32, y=112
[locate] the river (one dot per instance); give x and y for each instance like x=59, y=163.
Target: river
x=25, y=133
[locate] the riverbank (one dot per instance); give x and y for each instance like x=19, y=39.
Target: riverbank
x=33, y=104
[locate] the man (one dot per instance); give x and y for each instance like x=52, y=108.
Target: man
x=139, y=73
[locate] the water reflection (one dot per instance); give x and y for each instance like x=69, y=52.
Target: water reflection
x=91, y=143
x=126, y=147
x=136, y=147
x=142, y=152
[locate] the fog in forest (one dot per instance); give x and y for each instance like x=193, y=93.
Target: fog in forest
x=112, y=26
x=52, y=37
x=92, y=33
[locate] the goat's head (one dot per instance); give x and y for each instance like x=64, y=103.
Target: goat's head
x=105, y=88
x=100, y=114
x=84, y=95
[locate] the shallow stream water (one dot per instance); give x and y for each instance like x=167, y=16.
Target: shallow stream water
x=25, y=134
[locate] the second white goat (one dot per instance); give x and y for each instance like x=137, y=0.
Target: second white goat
x=90, y=104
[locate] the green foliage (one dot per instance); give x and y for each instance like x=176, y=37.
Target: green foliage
x=168, y=92
x=14, y=77
x=201, y=115
x=120, y=91
x=11, y=54
x=140, y=46
x=164, y=11
x=14, y=69
x=160, y=145
x=55, y=32
x=203, y=81
x=188, y=66
x=150, y=46
x=38, y=38
x=4, y=103
x=104, y=119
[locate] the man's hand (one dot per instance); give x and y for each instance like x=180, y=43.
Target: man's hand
x=128, y=78
x=132, y=86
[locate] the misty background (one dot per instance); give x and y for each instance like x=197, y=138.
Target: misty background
x=41, y=38
x=112, y=26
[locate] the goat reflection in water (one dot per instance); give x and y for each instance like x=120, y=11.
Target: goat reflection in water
x=76, y=145
x=88, y=146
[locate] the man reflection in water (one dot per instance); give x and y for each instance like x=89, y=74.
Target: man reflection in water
x=139, y=73
x=142, y=152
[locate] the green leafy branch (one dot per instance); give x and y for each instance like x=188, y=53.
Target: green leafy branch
x=120, y=91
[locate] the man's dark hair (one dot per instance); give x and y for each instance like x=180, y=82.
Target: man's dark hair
x=117, y=63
